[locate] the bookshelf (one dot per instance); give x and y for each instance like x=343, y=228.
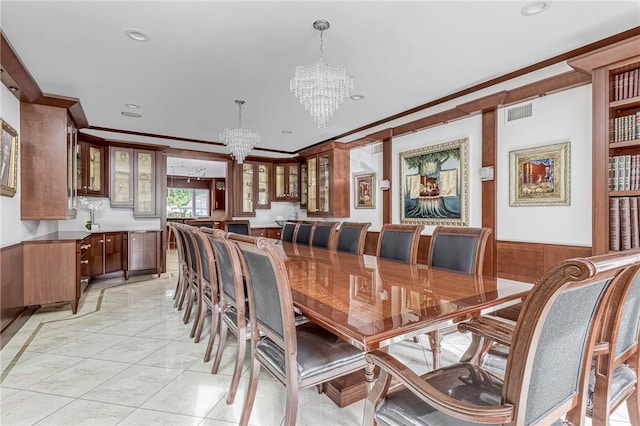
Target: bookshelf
x=613, y=137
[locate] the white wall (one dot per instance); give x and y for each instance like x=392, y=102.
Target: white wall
x=364, y=161
x=561, y=117
x=12, y=229
x=116, y=219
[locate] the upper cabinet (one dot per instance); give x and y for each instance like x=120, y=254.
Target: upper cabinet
x=328, y=175
x=286, y=182
x=304, y=185
x=253, y=187
x=133, y=183
x=91, y=170
x=48, y=171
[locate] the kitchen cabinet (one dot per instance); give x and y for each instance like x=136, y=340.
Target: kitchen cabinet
x=253, y=187
x=108, y=253
x=52, y=268
x=286, y=182
x=219, y=194
x=304, y=185
x=48, y=176
x=328, y=183
x=91, y=166
x=133, y=180
x=144, y=247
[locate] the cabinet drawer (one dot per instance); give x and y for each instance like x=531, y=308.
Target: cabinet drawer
x=275, y=233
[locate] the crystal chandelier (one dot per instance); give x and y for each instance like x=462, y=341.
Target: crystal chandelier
x=321, y=87
x=240, y=141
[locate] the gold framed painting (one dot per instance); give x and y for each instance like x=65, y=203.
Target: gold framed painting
x=8, y=160
x=540, y=176
x=365, y=191
x=435, y=184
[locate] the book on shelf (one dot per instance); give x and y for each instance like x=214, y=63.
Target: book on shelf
x=625, y=224
x=633, y=212
x=626, y=85
x=614, y=223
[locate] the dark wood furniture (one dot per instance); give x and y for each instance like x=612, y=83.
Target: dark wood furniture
x=108, y=253
x=237, y=226
x=603, y=64
x=328, y=182
x=219, y=194
x=547, y=370
x=351, y=237
x=92, y=170
x=52, y=268
x=144, y=250
x=393, y=301
x=324, y=235
x=47, y=163
x=286, y=181
x=252, y=187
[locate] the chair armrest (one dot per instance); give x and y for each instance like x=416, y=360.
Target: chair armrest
x=459, y=409
x=500, y=331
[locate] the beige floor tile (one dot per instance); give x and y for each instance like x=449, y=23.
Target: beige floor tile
x=176, y=355
x=142, y=417
x=88, y=345
x=131, y=350
x=26, y=408
x=37, y=368
x=87, y=413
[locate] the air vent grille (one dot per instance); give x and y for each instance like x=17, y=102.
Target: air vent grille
x=376, y=148
x=519, y=112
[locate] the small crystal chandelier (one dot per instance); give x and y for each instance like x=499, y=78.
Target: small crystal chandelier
x=320, y=87
x=240, y=141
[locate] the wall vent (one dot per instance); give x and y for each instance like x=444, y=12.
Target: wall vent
x=522, y=111
x=376, y=148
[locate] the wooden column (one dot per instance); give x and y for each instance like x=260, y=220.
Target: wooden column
x=387, y=144
x=489, y=141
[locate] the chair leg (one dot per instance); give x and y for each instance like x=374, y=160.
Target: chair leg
x=183, y=290
x=633, y=407
x=291, y=410
x=251, y=392
x=189, y=299
x=212, y=333
x=237, y=369
x=178, y=287
x=201, y=317
x=221, y=343
x=435, y=339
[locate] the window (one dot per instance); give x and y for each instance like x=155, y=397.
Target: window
x=183, y=202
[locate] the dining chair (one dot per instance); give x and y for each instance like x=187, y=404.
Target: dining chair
x=208, y=289
x=351, y=236
x=233, y=310
x=196, y=284
x=459, y=249
x=547, y=370
x=237, y=226
x=178, y=295
x=399, y=242
x=613, y=377
x=299, y=357
x=289, y=230
x=324, y=234
x=303, y=233
x=191, y=283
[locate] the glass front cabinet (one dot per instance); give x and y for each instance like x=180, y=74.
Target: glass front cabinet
x=328, y=183
x=133, y=180
x=286, y=182
x=254, y=179
x=91, y=169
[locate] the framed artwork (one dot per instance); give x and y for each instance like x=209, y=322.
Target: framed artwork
x=435, y=184
x=540, y=176
x=365, y=191
x=8, y=160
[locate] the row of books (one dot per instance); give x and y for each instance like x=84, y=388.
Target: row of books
x=626, y=85
x=625, y=128
x=624, y=230
x=624, y=173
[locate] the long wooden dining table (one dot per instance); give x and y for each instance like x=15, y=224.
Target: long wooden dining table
x=373, y=303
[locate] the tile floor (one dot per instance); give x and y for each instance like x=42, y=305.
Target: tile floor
x=126, y=356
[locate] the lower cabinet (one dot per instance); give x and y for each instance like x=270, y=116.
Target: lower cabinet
x=108, y=253
x=52, y=269
x=144, y=247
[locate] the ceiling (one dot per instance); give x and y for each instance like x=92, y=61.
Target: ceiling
x=203, y=55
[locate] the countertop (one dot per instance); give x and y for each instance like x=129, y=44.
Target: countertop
x=61, y=236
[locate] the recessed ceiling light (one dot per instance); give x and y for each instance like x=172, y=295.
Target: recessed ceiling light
x=132, y=106
x=13, y=89
x=131, y=114
x=137, y=35
x=286, y=132
x=535, y=7
x=357, y=97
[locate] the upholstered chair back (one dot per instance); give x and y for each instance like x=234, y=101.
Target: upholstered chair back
x=351, y=237
x=238, y=227
x=399, y=242
x=288, y=231
x=323, y=234
x=458, y=249
x=303, y=234
x=229, y=274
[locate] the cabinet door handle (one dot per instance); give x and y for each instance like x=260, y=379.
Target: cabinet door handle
x=102, y=241
x=108, y=241
x=84, y=261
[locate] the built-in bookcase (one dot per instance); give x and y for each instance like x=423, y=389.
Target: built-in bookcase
x=615, y=71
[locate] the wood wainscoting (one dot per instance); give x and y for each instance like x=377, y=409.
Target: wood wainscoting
x=515, y=260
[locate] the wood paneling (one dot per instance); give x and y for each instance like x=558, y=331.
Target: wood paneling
x=483, y=104
x=528, y=261
x=387, y=194
x=547, y=86
x=50, y=272
x=489, y=143
x=11, y=284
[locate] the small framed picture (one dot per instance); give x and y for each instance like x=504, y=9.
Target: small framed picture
x=540, y=176
x=8, y=160
x=365, y=191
